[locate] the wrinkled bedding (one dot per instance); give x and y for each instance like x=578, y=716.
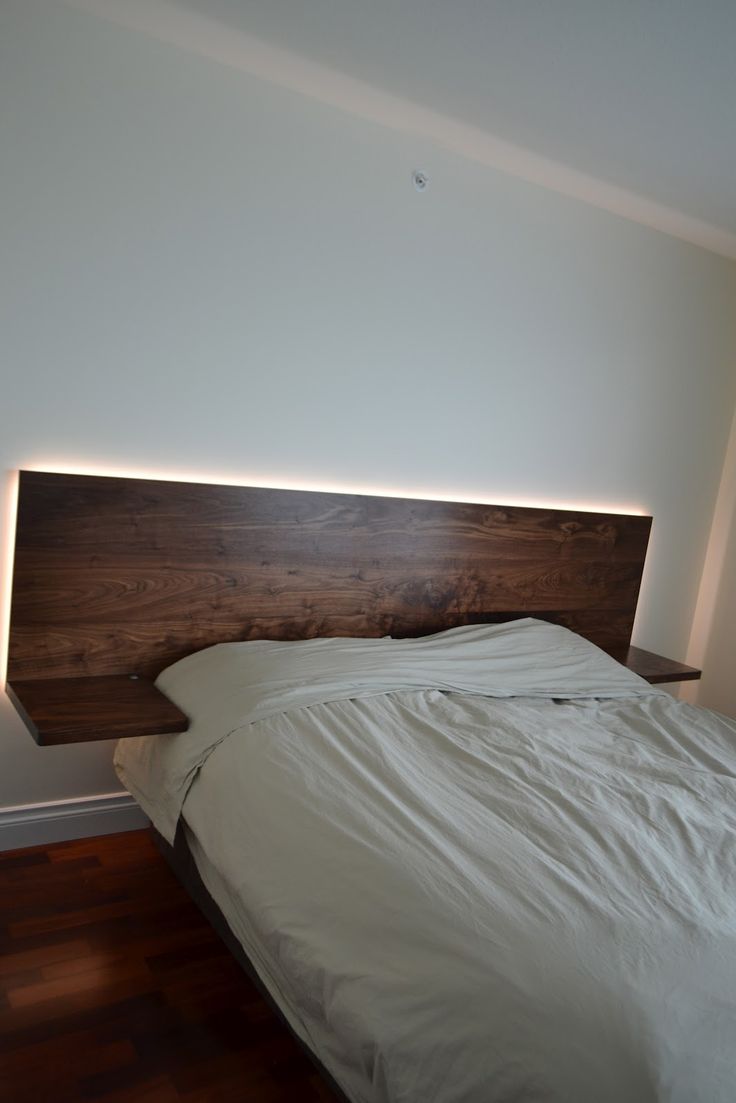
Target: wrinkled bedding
x=229, y=687
x=458, y=891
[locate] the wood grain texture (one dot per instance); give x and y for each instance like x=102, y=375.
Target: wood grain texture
x=114, y=987
x=114, y=576
x=80, y=710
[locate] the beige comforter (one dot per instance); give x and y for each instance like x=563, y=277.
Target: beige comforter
x=457, y=898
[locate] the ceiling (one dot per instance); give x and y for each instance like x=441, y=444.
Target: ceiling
x=638, y=93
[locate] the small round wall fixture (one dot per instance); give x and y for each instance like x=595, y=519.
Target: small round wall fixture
x=421, y=180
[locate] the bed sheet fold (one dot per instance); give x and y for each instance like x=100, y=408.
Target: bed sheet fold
x=228, y=687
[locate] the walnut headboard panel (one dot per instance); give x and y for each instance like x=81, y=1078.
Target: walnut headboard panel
x=117, y=575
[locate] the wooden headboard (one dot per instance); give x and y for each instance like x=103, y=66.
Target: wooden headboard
x=117, y=577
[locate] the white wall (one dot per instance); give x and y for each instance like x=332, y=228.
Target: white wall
x=713, y=635
x=202, y=272
x=718, y=690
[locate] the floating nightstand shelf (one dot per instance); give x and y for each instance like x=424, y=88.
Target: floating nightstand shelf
x=654, y=668
x=84, y=710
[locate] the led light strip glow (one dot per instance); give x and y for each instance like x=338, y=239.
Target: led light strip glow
x=328, y=487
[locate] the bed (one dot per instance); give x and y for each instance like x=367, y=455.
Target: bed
x=490, y=865
x=472, y=857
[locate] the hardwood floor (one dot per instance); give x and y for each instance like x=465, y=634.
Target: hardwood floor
x=114, y=987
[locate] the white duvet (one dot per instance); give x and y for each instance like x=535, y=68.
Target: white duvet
x=458, y=889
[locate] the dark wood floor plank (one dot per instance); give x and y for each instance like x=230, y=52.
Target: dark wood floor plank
x=22, y=860
x=157, y=1089
x=114, y=988
x=115, y=1020
x=80, y=1055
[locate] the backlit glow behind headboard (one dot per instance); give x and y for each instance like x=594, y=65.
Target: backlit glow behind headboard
x=276, y=483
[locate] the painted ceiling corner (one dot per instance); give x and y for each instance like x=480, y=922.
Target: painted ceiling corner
x=205, y=36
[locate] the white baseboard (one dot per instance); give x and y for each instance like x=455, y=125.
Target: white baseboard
x=55, y=821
